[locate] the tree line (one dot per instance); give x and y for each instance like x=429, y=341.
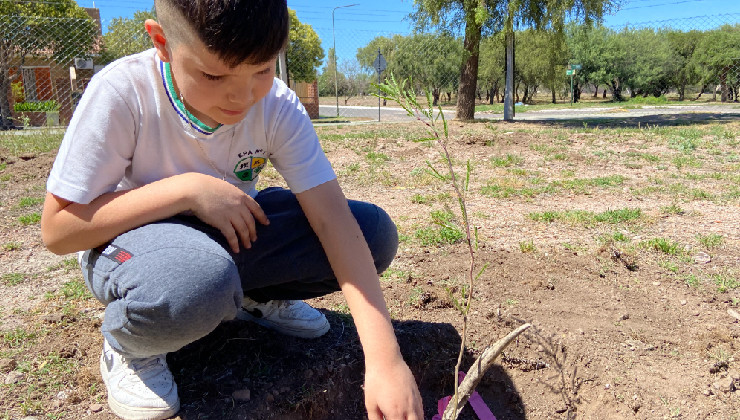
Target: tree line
x=619, y=63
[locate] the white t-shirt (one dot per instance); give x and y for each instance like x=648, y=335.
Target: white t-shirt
x=127, y=131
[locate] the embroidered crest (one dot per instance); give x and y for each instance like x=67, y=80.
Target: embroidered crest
x=248, y=168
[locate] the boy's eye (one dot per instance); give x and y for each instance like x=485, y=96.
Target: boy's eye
x=265, y=71
x=211, y=76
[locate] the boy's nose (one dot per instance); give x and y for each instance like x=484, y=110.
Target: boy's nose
x=239, y=95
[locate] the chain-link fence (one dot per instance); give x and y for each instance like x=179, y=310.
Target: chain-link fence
x=46, y=62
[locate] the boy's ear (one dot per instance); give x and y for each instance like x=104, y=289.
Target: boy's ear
x=156, y=34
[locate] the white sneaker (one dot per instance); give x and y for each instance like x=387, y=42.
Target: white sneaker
x=138, y=389
x=289, y=317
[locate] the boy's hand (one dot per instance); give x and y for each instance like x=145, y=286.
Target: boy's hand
x=391, y=393
x=227, y=208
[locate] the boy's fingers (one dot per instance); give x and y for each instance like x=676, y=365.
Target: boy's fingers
x=243, y=231
x=231, y=238
x=257, y=211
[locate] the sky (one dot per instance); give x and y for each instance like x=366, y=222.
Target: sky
x=356, y=25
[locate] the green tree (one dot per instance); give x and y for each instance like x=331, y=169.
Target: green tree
x=492, y=67
x=59, y=30
x=718, y=53
x=430, y=60
x=480, y=16
x=329, y=76
x=683, y=46
x=126, y=36
x=304, y=52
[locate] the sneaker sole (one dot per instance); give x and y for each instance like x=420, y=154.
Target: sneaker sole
x=136, y=413
x=293, y=332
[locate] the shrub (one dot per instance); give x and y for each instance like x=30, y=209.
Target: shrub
x=44, y=106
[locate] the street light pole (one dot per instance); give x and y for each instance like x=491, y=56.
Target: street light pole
x=334, y=38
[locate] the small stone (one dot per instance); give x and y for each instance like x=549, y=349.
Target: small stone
x=607, y=386
x=540, y=348
x=656, y=283
x=242, y=394
x=707, y=392
x=13, y=377
x=702, y=258
x=724, y=385
x=625, y=317
x=96, y=408
x=269, y=398
x=53, y=318
x=62, y=395
x=683, y=302
x=6, y=365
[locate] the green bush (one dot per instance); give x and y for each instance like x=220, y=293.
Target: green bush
x=44, y=106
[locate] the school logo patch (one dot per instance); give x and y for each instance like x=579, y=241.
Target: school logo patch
x=248, y=168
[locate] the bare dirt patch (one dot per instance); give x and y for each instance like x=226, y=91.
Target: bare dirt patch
x=621, y=247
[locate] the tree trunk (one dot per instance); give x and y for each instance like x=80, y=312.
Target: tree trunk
x=469, y=70
x=6, y=118
x=596, y=90
x=552, y=90
x=435, y=96
x=724, y=91
x=616, y=92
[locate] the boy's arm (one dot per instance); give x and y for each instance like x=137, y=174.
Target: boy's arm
x=390, y=388
x=68, y=227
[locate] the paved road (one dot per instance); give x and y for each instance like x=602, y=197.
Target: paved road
x=606, y=115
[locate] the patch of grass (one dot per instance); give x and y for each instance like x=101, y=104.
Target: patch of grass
x=12, y=246
x=710, y=241
x=377, y=157
x=505, y=162
x=686, y=161
x=18, y=338
x=527, y=246
x=30, y=219
x=668, y=265
x=446, y=231
x=672, y=209
x=31, y=141
x=725, y=282
x=13, y=279
x=3, y=166
x=691, y=280
x=587, y=217
x=30, y=202
x=392, y=274
x=430, y=198
x=75, y=290
x=666, y=246
x=614, y=237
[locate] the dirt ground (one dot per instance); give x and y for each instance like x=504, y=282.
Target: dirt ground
x=633, y=317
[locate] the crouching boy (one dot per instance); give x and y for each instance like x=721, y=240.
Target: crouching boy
x=155, y=182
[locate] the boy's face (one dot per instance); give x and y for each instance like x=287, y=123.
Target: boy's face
x=213, y=91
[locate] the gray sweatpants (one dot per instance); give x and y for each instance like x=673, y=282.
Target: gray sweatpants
x=169, y=283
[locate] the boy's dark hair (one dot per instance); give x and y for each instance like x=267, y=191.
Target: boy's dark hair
x=238, y=31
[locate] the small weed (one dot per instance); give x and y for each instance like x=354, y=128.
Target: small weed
x=75, y=290
x=725, y=282
x=377, y=157
x=691, y=280
x=3, y=166
x=527, y=246
x=511, y=302
x=668, y=265
x=30, y=202
x=710, y=241
x=12, y=246
x=30, y=219
x=672, y=209
x=18, y=338
x=509, y=160
x=395, y=274
x=13, y=279
x=663, y=245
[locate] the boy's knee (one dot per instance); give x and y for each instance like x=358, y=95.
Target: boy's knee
x=167, y=304
x=380, y=233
